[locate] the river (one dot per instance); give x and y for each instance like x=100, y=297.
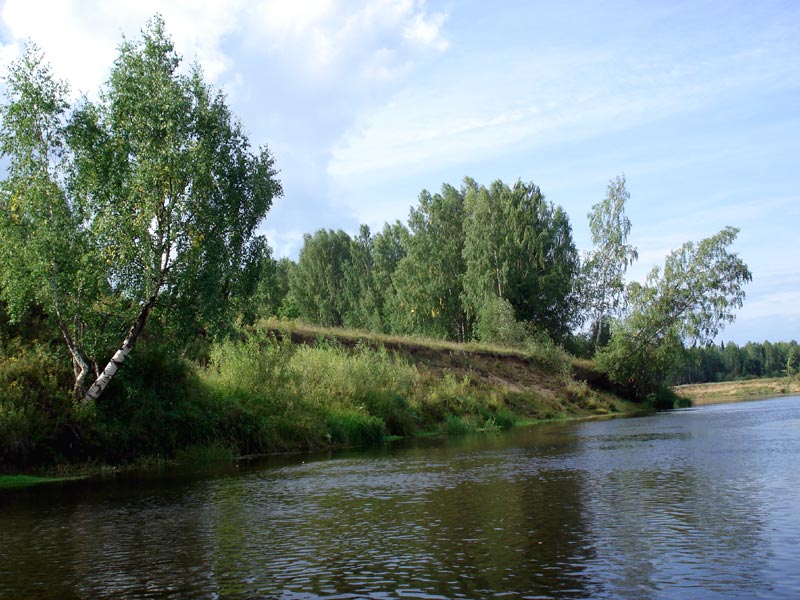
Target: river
x=696, y=503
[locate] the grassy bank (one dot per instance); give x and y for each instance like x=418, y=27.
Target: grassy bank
x=737, y=391
x=286, y=388
x=8, y=482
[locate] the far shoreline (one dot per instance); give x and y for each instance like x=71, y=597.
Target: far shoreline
x=702, y=394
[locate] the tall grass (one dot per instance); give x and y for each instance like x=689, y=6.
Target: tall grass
x=260, y=393
x=282, y=396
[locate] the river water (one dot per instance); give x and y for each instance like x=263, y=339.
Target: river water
x=697, y=503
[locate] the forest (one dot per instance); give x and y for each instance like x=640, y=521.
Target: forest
x=133, y=221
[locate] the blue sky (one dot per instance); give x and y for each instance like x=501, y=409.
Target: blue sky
x=364, y=104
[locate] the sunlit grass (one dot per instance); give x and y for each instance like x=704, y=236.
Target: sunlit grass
x=388, y=340
x=288, y=387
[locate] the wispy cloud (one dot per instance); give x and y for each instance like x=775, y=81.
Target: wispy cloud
x=331, y=41
x=500, y=104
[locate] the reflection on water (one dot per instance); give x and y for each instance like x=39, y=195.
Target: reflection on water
x=695, y=503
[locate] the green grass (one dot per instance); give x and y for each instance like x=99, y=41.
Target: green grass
x=283, y=387
x=206, y=454
x=23, y=481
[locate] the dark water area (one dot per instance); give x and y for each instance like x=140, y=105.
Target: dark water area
x=697, y=503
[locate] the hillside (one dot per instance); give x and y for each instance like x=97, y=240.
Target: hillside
x=534, y=384
x=282, y=387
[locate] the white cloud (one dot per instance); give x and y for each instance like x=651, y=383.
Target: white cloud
x=80, y=38
x=426, y=31
x=284, y=242
x=296, y=73
x=329, y=39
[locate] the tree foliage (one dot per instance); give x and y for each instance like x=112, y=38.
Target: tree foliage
x=698, y=291
x=428, y=280
x=603, y=271
x=463, y=249
x=318, y=285
x=46, y=249
x=519, y=247
x=148, y=197
x=793, y=361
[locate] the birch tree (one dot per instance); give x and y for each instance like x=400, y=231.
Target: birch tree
x=428, y=280
x=148, y=198
x=46, y=255
x=698, y=291
x=603, y=272
x=318, y=284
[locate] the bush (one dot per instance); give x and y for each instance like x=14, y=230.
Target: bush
x=354, y=428
x=505, y=419
x=456, y=425
x=497, y=324
x=155, y=405
x=35, y=406
x=550, y=355
x=392, y=409
x=663, y=398
x=638, y=368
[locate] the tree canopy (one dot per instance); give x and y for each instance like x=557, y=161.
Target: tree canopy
x=698, y=291
x=519, y=247
x=603, y=271
x=146, y=200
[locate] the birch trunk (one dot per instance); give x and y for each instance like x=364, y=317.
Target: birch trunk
x=120, y=355
x=79, y=366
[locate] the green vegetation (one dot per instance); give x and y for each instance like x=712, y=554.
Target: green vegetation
x=131, y=221
x=22, y=481
x=285, y=388
x=150, y=196
x=730, y=362
x=700, y=287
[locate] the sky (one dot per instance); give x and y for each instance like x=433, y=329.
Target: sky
x=366, y=103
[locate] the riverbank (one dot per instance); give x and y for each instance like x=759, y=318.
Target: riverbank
x=289, y=388
x=738, y=391
x=537, y=382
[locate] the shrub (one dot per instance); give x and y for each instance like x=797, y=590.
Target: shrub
x=456, y=425
x=155, y=405
x=35, y=406
x=497, y=324
x=354, y=428
x=505, y=419
x=392, y=409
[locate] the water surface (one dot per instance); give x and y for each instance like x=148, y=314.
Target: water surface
x=698, y=503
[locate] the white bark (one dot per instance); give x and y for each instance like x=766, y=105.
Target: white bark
x=108, y=373
x=121, y=354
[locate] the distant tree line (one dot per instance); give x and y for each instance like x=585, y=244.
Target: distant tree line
x=729, y=362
